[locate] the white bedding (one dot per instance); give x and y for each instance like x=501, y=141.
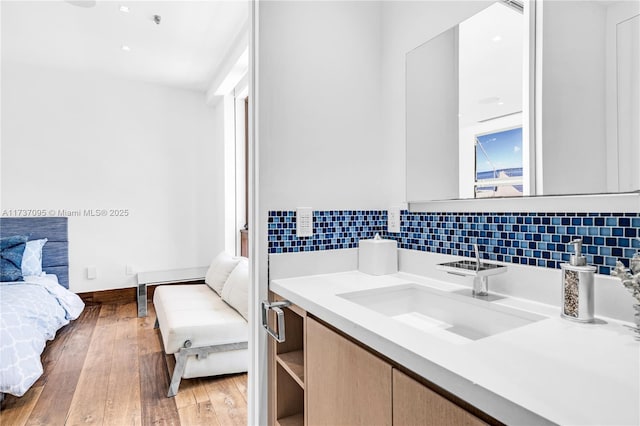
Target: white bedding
x=31, y=312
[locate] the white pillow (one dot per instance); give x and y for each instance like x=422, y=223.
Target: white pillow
x=236, y=289
x=32, y=258
x=219, y=271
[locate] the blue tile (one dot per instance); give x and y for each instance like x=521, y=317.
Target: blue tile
x=605, y=251
x=524, y=238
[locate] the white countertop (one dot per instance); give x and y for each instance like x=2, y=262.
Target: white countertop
x=550, y=371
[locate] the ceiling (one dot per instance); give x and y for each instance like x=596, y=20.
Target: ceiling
x=184, y=50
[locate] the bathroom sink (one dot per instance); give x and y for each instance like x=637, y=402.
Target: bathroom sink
x=453, y=316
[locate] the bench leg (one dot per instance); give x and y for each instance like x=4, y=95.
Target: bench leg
x=178, y=371
x=203, y=352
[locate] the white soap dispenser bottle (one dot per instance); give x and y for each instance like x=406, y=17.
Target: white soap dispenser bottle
x=577, y=287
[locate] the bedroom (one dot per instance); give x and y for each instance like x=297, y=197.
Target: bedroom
x=142, y=133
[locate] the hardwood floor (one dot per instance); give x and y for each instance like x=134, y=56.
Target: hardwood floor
x=108, y=368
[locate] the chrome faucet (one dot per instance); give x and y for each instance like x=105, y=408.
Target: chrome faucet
x=480, y=282
x=479, y=270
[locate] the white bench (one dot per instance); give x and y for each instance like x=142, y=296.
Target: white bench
x=205, y=330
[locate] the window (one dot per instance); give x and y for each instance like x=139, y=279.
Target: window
x=499, y=164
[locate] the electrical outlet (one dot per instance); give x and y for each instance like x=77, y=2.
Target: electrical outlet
x=92, y=272
x=128, y=269
x=304, y=222
x=393, y=219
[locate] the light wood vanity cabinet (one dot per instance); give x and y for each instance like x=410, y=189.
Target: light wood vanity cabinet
x=319, y=377
x=346, y=385
x=416, y=404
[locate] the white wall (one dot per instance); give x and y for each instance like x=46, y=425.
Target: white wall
x=320, y=123
x=80, y=141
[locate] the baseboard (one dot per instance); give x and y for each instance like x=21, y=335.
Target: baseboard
x=116, y=296
x=121, y=296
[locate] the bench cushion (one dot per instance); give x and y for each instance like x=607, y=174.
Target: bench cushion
x=236, y=289
x=219, y=271
x=196, y=313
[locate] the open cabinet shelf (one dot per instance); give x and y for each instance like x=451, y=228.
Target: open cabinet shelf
x=295, y=420
x=293, y=363
x=288, y=371
x=290, y=397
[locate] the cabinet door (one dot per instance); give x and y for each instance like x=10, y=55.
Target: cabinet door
x=345, y=384
x=415, y=404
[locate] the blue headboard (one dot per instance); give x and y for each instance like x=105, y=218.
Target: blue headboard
x=55, y=254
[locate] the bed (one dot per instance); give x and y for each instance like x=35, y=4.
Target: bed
x=35, y=307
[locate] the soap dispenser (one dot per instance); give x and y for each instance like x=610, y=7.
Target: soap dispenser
x=577, y=287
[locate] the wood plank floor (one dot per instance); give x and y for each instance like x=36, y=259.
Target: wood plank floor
x=108, y=368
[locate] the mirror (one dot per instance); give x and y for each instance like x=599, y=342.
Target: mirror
x=587, y=90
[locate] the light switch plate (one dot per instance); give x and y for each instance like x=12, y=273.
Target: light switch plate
x=393, y=219
x=304, y=222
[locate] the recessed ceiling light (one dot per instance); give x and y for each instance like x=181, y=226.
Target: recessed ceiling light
x=124, y=9
x=125, y=48
x=496, y=38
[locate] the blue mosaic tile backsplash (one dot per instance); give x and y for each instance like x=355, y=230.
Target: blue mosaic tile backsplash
x=339, y=229
x=537, y=239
